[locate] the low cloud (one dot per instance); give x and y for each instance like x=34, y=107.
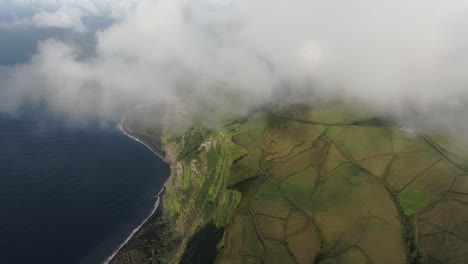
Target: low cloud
x=405, y=58
x=64, y=14
x=65, y=17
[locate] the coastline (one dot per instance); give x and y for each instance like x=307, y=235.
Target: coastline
x=136, y=229
x=159, y=153
x=127, y=131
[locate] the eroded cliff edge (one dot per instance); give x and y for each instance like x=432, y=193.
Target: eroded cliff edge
x=304, y=185
x=196, y=205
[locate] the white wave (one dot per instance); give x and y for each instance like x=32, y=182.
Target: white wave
x=153, y=210
x=134, y=231
x=134, y=138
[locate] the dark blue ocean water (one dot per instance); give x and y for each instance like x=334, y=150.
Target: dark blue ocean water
x=70, y=194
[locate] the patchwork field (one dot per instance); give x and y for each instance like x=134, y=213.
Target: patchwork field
x=337, y=188
x=308, y=185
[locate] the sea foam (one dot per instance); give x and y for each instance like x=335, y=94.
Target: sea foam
x=153, y=210
x=134, y=231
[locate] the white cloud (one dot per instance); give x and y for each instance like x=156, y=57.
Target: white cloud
x=395, y=56
x=67, y=14
x=65, y=17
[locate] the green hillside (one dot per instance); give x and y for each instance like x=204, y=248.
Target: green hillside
x=308, y=185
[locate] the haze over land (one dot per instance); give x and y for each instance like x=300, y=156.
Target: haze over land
x=304, y=163
x=404, y=58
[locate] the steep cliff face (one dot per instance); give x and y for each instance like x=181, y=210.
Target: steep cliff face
x=197, y=198
x=306, y=185
x=196, y=205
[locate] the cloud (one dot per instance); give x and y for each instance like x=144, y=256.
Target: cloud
x=65, y=17
x=406, y=58
x=65, y=14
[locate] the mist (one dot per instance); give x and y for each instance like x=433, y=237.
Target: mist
x=406, y=59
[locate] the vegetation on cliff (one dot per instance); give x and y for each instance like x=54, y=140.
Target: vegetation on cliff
x=309, y=185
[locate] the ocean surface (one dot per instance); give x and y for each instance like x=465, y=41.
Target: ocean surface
x=70, y=194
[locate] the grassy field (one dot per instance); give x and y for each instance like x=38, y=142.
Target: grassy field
x=319, y=185
x=332, y=190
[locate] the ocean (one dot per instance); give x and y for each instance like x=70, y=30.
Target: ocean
x=68, y=194
x=71, y=194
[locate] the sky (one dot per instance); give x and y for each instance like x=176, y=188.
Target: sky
x=403, y=58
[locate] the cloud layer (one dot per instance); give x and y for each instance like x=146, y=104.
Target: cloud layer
x=65, y=14
x=407, y=58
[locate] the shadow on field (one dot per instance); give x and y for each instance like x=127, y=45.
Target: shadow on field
x=202, y=247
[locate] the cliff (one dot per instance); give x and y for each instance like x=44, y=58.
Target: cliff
x=196, y=205
x=305, y=185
